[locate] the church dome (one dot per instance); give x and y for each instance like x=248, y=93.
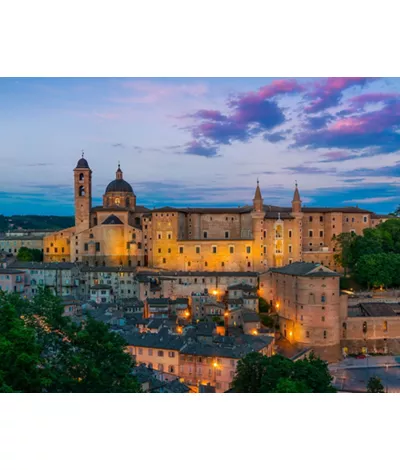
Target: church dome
x=82, y=162
x=119, y=186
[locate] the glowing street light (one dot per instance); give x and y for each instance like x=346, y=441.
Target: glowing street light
x=215, y=292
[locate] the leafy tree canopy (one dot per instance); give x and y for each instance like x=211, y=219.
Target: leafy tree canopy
x=29, y=254
x=256, y=373
x=43, y=351
x=375, y=385
x=372, y=257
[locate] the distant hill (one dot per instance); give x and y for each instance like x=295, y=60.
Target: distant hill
x=38, y=222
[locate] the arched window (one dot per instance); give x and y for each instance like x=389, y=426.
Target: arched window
x=323, y=298
x=385, y=326
x=117, y=201
x=82, y=177
x=278, y=231
x=365, y=327
x=127, y=201
x=81, y=191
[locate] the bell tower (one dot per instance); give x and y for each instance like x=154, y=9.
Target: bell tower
x=258, y=223
x=83, y=194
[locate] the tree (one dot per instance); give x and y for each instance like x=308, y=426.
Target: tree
x=343, y=247
x=29, y=254
x=375, y=385
x=256, y=373
x=263, y=305
x=43, y=351
x=291, y=386
x=378, y=270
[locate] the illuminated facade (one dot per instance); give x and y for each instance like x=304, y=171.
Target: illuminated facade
x=248, y=238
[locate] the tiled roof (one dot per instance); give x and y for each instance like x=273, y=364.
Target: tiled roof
x=10, y=271
x=305, y=269
x=39, y=265
x=372, y=309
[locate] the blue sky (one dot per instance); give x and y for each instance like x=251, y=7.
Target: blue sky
x=201, y=142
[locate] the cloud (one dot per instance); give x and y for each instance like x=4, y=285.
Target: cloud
x=372, y=200
x=374, y=129
x=358, y=102
x=309, y=170
x=384, y=171
x=338, y=156
x=328, y=92
x=203, y=150
x=275, y=137
x=249, y=115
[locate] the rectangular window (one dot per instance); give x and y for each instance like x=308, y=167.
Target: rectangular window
x=159, y=250
x=226, y=234
x=365, y=219
x=140, y=351
x=290, y=234
x=169, y=235
x=181, y=250
x=97, y=246
x=205, y=235
x=290, y=248
x=164, y=260
x=248, y=249
x=56, y=250
x=171, y=353
x=197, y=250
x=310, y=218
x=325, y=334
x=214, y=249
x=231, y=250
x=321, y=233
x=160, y=353
x=307, y=334
x=310, y=233
x=321, y=218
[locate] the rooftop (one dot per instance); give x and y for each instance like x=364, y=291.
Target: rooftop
x=301, y=268
x=372, y=309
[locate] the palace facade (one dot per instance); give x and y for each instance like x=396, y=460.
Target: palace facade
x=254, y=237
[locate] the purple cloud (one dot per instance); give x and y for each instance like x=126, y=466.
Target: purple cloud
x=328, y=92
x=275, y=137
x=250, y=114
x=337, y=156
x=203, y=150
x=374, y=129
x=309, y=170
x=358, y=102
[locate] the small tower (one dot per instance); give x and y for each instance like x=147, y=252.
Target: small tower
x=83, y=194
x=258, y=257
x=258, y=200
x=296, y=203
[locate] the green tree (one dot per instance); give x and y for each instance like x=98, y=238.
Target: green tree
x=343, y=248
x=375, y=385
x=249, y=373
x=256, y=373
x=291, y=386
x=377, y=270
x=45, y=351
x=29, y=254
x=263, y=305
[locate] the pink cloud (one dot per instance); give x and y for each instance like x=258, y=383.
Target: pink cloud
x=328, y=92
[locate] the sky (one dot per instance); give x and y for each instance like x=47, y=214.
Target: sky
x=201, y=142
